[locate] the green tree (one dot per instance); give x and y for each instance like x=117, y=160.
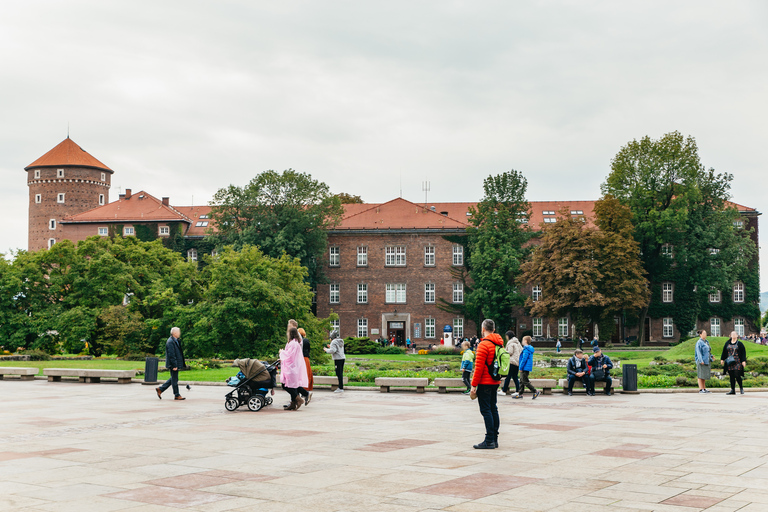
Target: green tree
x=681, y=218
x=286, y=212
x=349, y=198
x=496, y=238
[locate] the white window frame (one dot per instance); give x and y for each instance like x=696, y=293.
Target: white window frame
x=362, y=293
x=458, y=327
x=537, y=325
x=37, y=174
x=713, y=251
x=38, y=198
x=429, y=293
x=738, y=292
x=129, y=231
x=335, y=326
x=51, y=242
x=164, y=230
x=103, y=231
x=429, y=328
x=52, y=224
x=395, y=256
x=395, y=293
x=714, y=326
x=715, y=297
x=458, y=292
x=59, y=173
x=61, y=197
x=536, y=293
x=429, y=256
x=334, y=256
x=668, y=250
x=334, y=293
x=192, y=254
x=101, y=199
x=668, y=327
x=562, y=327
x=201, y=224
x=362, y=327
x=458, y=255
x=103, y=176
x=738, y=224
x=739, y=325
x=362, y=256
x=667, y=292
x=550, y=220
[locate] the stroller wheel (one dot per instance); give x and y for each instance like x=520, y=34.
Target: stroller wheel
x=231, y=404
x=256, y=402
x=268, y=400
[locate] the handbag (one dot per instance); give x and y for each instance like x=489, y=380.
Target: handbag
x=730, y=360
x=598, y=373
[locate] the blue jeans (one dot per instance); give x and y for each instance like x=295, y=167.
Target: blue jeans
x=607, y=379
x=173, y=381
x=486, y=399
x=584, y=379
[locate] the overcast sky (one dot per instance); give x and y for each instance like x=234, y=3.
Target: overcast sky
x=181, y=98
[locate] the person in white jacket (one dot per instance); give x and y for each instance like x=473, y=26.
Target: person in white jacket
x=514, y=348
x=336, y=349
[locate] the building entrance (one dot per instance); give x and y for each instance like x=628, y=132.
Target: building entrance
x=396, y=329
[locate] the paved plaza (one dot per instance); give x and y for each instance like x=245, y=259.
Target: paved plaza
x=103, y=447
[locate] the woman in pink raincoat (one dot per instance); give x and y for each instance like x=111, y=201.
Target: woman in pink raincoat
x=293, y=369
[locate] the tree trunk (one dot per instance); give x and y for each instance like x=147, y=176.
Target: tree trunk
x=643, y=314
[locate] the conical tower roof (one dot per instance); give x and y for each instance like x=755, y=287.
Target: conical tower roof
x=67, y=153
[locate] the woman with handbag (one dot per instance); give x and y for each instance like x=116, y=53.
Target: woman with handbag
x=734, y=360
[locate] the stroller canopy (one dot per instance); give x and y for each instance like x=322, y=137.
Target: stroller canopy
x=252, y=368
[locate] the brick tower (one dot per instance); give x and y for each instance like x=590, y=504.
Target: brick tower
x=64, y=181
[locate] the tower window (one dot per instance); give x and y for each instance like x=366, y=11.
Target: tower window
x=52, y=224
x=37, y=174
x=59, y=173
x=38, y=198
x=51, y=241
x=103, y=176
x=60, y=197
x=101, y=199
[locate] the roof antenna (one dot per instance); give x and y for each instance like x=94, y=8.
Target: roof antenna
x=67, y=129
x=425, y=187
x=401, y=184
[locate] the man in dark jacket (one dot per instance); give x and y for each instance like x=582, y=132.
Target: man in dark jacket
x=577, y=370
x=599, y=362
x=484, y=387
x=174, y=359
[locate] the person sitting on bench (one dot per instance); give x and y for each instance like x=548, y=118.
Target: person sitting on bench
x=601, y=369
x=577, y=370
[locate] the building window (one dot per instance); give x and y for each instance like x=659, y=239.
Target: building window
x=429, y=327
x=192, y=255
x=60, y=197
x=201, y=224
x=549, y=220
x=538, y=326
x=536, y=293
x=101, y=199
x=395, y=293
x=562, y=327
x=103, y=231
x=714, y=252
x=666, y=292
x=335, y=326
x=738, y=292
x=38, y=198
x=429, y=256
x=128, y=231
x=429, y=293
x=37, y=174
x=203, y=217
x=362, y=293
x=458, y=255
x=51, y=241
x=335, y=294
x=215, y=253
x=548, y=212
x=458, y=293
x=714, y=326
x=458, y=328
x=714, y=297
x=103, y=176
x=394, y=256
x=738, y=224
x=334, y=256
x=52, y=224
x=362, y=327
x=667, y=327
x=667, y=250
x=362, y=256
x=127, y=298
x=165, y=231
x=59, y=173
x=738, y=326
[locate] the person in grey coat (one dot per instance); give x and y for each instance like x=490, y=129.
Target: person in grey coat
x=336, y=349
x=174, y=359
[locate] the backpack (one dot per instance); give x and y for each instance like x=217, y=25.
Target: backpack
x=500, y=366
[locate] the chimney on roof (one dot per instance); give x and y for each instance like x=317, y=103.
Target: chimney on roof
x=127, y=193
x=166, y=201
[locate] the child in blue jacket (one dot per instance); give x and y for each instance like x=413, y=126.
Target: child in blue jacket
x=526, y=365
x=467, y=362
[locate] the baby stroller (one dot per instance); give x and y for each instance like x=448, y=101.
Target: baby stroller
x=252, y=390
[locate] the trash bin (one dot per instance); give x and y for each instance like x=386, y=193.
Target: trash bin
x=629, y=377
x=150, y=370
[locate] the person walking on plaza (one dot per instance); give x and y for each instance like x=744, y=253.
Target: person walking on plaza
x=577, y=370
x=484, y=387
x=526, y=367
x=174, y=360
x=601, y=370
x=704, y=358
x=293, y=369
x=558, y=345
x=467, y=362
x=734, y=360
x=336, y=349
x=310, y=381
x=514, y=348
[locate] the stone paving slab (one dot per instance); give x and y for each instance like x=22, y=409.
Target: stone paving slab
x=118, y=448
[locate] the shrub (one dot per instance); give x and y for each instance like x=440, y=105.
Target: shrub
x=203, y=364
x=445, y=350
x=659, y=358
x=36, y=355
x=360, y=346
x=390, y=350
x=134, y=356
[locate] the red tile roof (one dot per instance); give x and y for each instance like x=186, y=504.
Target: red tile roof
x=67, y=153
x=139, y=207
x=194, y=213
x=396, y=214
x=742, y=209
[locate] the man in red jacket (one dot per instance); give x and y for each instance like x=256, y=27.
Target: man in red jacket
x=485, y=387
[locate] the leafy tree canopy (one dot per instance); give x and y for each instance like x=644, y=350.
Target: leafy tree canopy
x=349, y=198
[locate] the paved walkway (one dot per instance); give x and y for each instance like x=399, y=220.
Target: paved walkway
x=104, y=447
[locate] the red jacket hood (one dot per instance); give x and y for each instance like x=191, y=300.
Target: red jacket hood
x=495, y=338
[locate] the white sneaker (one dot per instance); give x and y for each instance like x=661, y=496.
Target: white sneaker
x=501, y=392
x=339, y=390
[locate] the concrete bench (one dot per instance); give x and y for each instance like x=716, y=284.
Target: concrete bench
x=83, y=375
x=443, y=383
x=598, y=384
x=420, y=383
x=23, y=373
x=326, y=379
